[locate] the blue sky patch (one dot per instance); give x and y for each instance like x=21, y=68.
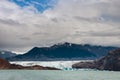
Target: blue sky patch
x=40, y=5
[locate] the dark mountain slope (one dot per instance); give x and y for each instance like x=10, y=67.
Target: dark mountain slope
x=6, y=54
x=64, y=51
x=109, y=62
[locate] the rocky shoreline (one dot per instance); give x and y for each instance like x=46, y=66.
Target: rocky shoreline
x=4, y=64
x=110, y=62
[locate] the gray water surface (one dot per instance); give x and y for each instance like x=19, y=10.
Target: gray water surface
x=58, y=75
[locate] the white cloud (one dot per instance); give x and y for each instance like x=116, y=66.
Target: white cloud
x=77, y=21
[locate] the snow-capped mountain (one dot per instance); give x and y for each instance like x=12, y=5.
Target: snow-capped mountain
x=65, y=51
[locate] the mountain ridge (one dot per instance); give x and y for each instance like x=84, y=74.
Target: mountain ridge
x=6, y=54
x=64, y=51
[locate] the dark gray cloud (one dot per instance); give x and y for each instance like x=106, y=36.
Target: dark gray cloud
x=105, y=34
x=55, y=20
x=40, y=33
x=9, y=22
x=92, y=20
x=25, y=38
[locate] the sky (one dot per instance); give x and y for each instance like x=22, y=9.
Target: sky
x=25, y=24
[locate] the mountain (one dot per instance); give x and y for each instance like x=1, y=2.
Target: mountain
x=6, y=54
x=109, y=62
x=65, y=51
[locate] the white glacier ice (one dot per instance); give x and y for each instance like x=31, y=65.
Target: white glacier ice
x=67, y=65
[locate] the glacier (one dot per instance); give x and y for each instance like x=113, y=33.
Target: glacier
x=65, y=65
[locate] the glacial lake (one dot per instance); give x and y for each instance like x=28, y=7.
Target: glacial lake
x=58, y=75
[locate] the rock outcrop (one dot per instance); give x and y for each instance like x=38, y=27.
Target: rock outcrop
x=110, y=62
x=6, y=65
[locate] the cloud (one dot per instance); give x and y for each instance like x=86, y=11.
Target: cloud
x=78, y=21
